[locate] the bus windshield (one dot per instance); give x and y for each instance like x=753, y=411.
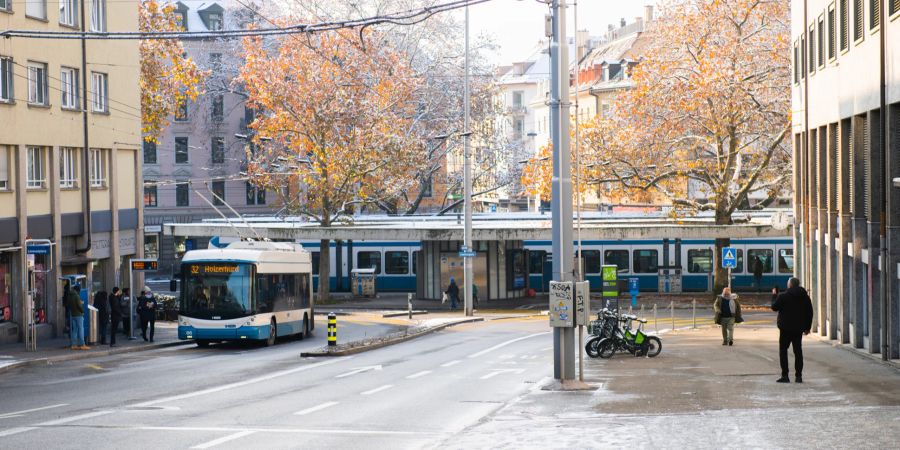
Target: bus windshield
x=216, y=291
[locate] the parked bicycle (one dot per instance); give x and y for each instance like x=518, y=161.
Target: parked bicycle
x=635, y=342
x=602, y=328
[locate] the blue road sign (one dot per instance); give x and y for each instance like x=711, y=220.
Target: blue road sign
x=729, y=258
x=35, y=249
x=466, y=254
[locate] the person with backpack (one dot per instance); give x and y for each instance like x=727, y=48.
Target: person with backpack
x=453, y=292
x=76, y=318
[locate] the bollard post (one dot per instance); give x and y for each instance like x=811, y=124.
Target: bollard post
x=694, y=313
x=672, y=309
x=642, y=312
x=332, y=329
x=655, y=319
x=409, y=304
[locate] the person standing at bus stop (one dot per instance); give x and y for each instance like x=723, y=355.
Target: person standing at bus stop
x=101, y=302
x=453, y=292
x=76, y=318
x=147, y=312
x=115, y=314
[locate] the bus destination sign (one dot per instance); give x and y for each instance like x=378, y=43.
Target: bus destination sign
x=140, y=265
x=214, y=268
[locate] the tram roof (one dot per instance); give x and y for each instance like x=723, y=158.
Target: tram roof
x=485, y=227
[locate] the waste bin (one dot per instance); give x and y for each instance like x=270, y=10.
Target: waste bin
x=92, y=327
x=362, y=282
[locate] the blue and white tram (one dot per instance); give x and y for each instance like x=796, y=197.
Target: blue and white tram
x=246, y=291
x=394, y=263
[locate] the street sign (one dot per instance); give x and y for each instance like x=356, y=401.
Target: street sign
x=583, y=303
x=38, y=249
x=463, y=254
x=561, y=304
x=610, y=281
x=729, y=258
x=141, y=265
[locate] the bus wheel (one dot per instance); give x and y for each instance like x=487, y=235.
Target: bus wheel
x=202, y=343
x=270, y=341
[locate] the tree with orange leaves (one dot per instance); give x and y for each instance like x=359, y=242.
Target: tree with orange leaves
x=338, y=107
x=706, y=121
x=168, y=77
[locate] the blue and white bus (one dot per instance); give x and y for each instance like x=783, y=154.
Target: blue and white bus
x=248, y=290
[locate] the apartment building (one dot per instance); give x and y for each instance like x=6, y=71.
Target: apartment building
x=69, y=157
x=846, y=144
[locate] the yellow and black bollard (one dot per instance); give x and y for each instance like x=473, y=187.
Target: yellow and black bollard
x=332, y=329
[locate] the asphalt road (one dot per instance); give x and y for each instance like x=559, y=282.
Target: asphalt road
x=410, y=395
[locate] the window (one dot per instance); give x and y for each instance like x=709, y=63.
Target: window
x=619, y=258
x=36, y=9
x=100, y=86
x=35, y=168
x=182, y=194
x=699, y=261
x=37, y=83
x=215, y=62
x=367, y=260
x=845, y=23
x=759, y=259
x=415, y=257
x=519, y=131
x=6, y=79
x=874, y=14
x=786, y=260
x=181, y=110
x=181, y=19
x=740, y=262
x=181, y=150
x=802, y=56
x=218, y=190
x=797, y=62
x=4, y=167
x=895, y=7
x=314, y=256
x=4, y=5
x=396, y=263
x=428, y=188
x=98, y=168
x=646, y=261
x=536, y=262
x=832, y=29
x=151, y=246
x=149, y=152
x=592, y=262
x=68, y=80
x=68, y=167
x=255, y=195
x=151, y=199
x=98, y=15
x=68, y=12
x=820, y=43
x=517, y=99
x=217, y=145
x=218, y=107
x=215, y=22
x=812, y=50
x=857, y=20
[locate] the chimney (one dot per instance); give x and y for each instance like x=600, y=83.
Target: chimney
x=582, y=42
x=648, y=13
x=622, y=23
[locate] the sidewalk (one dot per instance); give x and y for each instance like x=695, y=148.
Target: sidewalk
x=57, y=349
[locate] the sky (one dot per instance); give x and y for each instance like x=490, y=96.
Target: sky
x=517, y=25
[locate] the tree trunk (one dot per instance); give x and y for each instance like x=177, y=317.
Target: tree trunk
x=324, y=270
x=720, y=280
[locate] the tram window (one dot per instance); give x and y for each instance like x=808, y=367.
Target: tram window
x=646, y=261
x=396, y=263
x=368, y=260
x=536, y=261
x=591, y=261
x=699, y=261
x=617, y=257
x=740, y=262
x=759, y=256
x=315, y=263
x=415, y=257
x=786, y=260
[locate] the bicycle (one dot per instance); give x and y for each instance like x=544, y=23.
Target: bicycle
x=637, y=343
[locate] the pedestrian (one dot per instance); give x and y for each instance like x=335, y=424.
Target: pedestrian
x=757, y=267
x=115, y=314
x=453, y=292
x=76, y=318
x=127, y=312
x=727, y=313
x=101, y=302
x=147, y=312
x=474, y=294
x=795, y=315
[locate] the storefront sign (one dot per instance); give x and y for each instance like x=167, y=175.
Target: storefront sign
x=152, y=228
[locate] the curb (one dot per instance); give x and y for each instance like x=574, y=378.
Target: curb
x=90, y=354
x=385, y=343
x=876, y=357
x=404, y=313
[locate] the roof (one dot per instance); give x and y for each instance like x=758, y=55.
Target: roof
x=251, y=251
x=194, y=8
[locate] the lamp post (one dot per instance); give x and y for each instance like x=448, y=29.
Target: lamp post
x=467, y=181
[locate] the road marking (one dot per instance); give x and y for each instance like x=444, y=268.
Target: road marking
x=378, y=389
x=13, y=431
x=325, y=431
x=418, y=374
x=451, y=363
x=26, y=411
x=504, y=344
x=315, y=408
x=499, y=371
x=75, y=418
x=359, y=370
x=241, y=383
x=224, y=439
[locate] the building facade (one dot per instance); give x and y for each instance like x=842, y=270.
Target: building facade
x=69, y=157
x=846, y=144
x=200, y=155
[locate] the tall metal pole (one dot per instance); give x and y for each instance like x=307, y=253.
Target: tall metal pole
x=563, y=338
x=467, y=180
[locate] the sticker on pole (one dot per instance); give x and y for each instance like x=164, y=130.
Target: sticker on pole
x=729, y=258
x=562, y=311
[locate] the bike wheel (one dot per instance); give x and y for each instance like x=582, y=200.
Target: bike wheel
x=591, y=347
x=606, y=348
x=654, y=346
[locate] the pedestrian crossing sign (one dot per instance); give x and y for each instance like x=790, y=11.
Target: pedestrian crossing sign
x=729, y=258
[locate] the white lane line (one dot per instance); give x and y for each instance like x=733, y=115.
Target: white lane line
x=378, y=389
x=13, y=431
x=26, y=411
x=315, y=408
x=224, y=439
x=499, y=371
x=241, y=383
x=326, y=431
x=504, y=344
x=75, y=418
x=418, y=374
x=359, y=370
x=451, y=363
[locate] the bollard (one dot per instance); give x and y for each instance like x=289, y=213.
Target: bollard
x=655, y=319
x=672, y=309
x=332, y=330
x=409, y=304
x=694, y=313
x=642, y=312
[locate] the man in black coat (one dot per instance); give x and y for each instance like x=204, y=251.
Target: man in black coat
x=101, y=302
x=795, y=315
x=115, y=310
